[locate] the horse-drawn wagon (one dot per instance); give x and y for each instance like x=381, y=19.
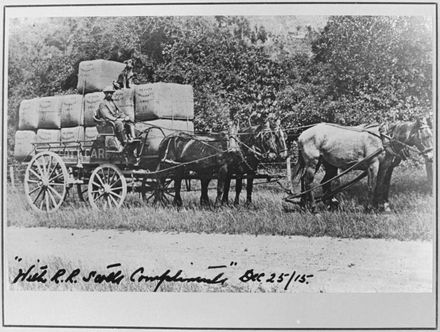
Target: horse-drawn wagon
x=103, y=176
x=100, y=174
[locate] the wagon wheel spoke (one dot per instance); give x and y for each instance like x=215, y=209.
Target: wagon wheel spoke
x=34, y=181
x=56, y=177
x=55, y=192
x=52, y=198
x=42, y=203
x=37, y=175
x=149, y=197
x=36, y=198
x=115, y=194
x=114, y=200
x=100, y=180
x=35, y=189
x=37, y=163
x=117, y=188
x=53, y=171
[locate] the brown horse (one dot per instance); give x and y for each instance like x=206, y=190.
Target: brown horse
x=254, y=148
x=209, y=156
x=339, y=147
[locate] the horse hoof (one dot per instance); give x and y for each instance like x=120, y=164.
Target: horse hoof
x=385, y=208
x=178, y=204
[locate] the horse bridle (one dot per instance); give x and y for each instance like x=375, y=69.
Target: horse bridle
x=415, y=135
x=265, y=154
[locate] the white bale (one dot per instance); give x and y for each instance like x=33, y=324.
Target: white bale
x=95, y=75
x=23, y=149
x=48, y=136
x=91, y=104
x=124, y=100
x=164, y=101
x=49, y=109
x=90, y=134
x=73, y=134
x=72, y=114
x=28, y=116
x=162, y=128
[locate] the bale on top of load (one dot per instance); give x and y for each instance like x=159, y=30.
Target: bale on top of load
x=95, y=75
x=164, y=101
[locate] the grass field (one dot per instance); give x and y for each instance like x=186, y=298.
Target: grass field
x=411, y=199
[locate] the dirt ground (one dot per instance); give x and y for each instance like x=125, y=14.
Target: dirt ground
x=337, y=265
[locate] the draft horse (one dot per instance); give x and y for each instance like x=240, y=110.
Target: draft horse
x=255, y=145
x=215, y=155
x=340, y=147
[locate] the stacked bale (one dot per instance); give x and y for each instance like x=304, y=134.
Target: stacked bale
x=168, y=106
x=23, y=149
x=164, y=101
x=48, y=120
x=70, y=118
x=49, y=111
x=95, y=75
x=28, y=118
x=28, y=115
x=124, y=100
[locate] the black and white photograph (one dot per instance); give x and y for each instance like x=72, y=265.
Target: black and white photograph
x=219, y=165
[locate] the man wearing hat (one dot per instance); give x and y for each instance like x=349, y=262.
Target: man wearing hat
x=108, y=111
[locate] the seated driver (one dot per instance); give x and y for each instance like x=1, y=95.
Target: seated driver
x=108, y=111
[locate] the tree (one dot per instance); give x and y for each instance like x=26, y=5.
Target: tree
x=379, y=67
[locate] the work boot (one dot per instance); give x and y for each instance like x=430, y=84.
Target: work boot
x=118, y=146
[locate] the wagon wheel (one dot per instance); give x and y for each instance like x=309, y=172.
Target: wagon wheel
x=46, y=181
x=159, y=192
x=107, y=187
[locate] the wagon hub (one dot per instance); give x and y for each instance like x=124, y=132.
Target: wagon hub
x=45, y=181
x=107, y=188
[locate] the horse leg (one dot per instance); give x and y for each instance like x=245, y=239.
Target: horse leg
x=382, y=189
x=227, y=186
x=177, y=201
x=307, y=181
x=204, y=199
x=374, y=187
x=238, y=187
x=386, y=189
x=330, y=172
x=249, y=187
x=221, y=184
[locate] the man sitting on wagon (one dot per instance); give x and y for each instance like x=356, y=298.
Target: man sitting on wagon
x=108, y=111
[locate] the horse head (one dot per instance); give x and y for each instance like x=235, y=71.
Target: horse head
x=421, y=138
x=271, y=141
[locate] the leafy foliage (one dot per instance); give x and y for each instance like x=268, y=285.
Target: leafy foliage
x=357, y=69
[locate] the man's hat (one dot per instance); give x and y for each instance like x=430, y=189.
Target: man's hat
x=108, y=89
